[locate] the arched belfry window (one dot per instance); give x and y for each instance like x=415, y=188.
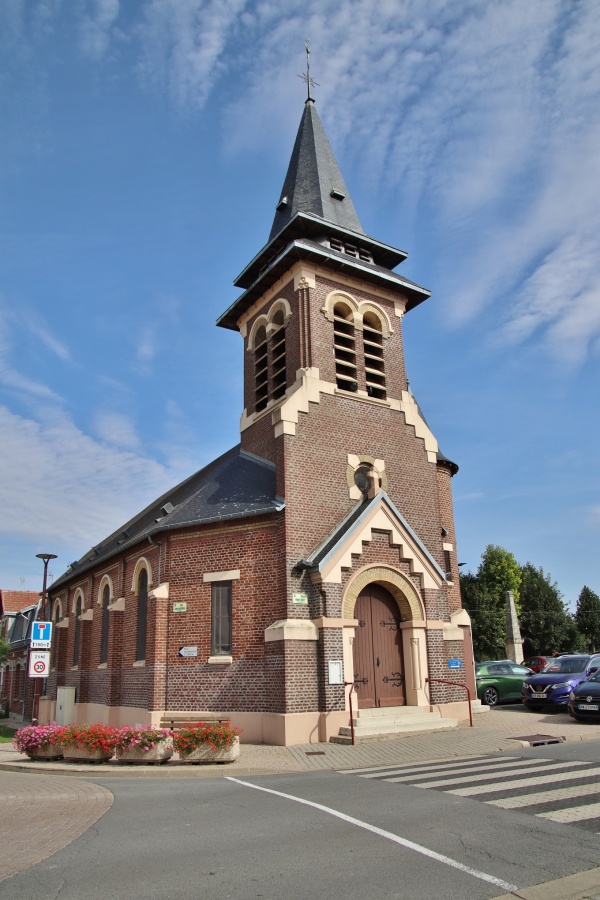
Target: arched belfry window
x=261, y=369
x=105, y=625
x=267, y=342
x=278, y=356
x=373, y=353
x=344, y=347
x=142, y=615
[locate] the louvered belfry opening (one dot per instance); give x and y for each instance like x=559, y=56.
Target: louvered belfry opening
x=278, y=356
x=373, y=352
x=344, y=348
x=261, y=370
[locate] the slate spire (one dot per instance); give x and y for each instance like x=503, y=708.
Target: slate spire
x=314, y=183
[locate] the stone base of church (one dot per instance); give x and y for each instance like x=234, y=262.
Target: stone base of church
x=276, y=729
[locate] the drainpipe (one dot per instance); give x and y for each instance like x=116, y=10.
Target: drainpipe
x=159, y=545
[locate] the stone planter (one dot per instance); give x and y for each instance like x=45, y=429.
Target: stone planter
x=204, y=754
x=161, y=753
x=52, y=751
x=80, y=754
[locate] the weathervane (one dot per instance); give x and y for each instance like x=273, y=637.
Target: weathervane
x=306, y=76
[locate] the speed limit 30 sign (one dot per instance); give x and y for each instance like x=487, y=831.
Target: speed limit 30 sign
x=39, y=664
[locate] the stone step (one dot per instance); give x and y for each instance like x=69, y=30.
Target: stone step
x=380, y=712
x=400, y=727
x=382, y=722
x=391, y=721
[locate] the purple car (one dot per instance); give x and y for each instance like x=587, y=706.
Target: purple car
x=552, y=686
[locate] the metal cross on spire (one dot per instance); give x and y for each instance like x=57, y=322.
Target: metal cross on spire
x=310, y=82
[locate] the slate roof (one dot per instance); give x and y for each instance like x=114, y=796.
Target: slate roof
x=234, y=486
x=303, y=248
x=312, y=176
x=315, y=206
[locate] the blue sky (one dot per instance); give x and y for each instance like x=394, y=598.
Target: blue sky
x=144, y=145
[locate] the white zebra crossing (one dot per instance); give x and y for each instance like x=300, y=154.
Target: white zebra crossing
x=483, y=776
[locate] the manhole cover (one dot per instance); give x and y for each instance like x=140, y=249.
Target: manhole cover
x=537, y=739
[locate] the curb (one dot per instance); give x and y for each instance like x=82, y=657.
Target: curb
x=582, y=886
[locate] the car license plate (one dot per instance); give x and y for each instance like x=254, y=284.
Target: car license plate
x=538, y=696
x=592, y=707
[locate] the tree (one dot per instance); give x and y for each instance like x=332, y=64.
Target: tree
x=4, y=648
x=587, y=617
x=498, y=573
x=487, y=619
x=546, y=626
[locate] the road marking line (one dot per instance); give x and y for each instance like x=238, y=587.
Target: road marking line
x=414, y=767
x=483, y=876
x=469, y=774
x=520, y=782
x=558, y=793
x=516, y=771
x=572, y=814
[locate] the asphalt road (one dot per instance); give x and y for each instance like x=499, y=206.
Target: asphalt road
x=332, y=835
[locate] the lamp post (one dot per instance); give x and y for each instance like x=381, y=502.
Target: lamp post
x=45, y=557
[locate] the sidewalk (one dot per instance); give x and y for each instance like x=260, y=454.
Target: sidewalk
x=501, y=729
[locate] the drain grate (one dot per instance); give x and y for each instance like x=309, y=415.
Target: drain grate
x=314, y=753
x=538, y=740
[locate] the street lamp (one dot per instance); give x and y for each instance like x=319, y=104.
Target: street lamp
x=46, y=557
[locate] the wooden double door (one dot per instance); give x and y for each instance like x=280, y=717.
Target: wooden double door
x=378, y=657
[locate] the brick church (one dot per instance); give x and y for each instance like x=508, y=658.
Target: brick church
x=317, y=554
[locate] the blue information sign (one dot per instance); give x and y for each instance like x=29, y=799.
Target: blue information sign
x=455, y=663
x=41, y=635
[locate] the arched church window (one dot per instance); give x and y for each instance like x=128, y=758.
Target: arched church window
x=278, y=355
x=261, y=369
x=57, y=634
x=344, y=347
x=105, y=625
x=77, y=641
x=373, y=353
x=142, y=615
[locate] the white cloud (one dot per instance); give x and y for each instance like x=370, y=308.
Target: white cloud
x=146, y=345
x=183, y=43
x=116, y=429
x=96, y=25
x=10, y=376
x=62, y=486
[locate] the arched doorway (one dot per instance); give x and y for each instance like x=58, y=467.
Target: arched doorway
x=378, y=657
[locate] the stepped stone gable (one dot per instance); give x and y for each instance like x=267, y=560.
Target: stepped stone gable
x=236, y=593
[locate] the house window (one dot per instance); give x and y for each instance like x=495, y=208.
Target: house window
x=77, y=642
x=142, y=615
x=221, y=618
x=105, y=621
x=344, y=348
x=373, y=351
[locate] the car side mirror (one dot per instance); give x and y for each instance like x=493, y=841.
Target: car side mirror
x=593, y=670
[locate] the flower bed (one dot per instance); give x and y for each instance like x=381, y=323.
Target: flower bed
x=39, y=741
x=88, y=742
x=143, y=744
x=207, y=742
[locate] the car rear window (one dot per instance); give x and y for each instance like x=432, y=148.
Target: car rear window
x=567, y=666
